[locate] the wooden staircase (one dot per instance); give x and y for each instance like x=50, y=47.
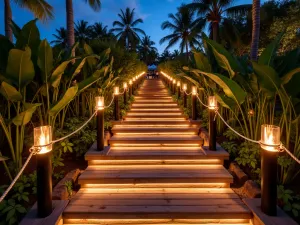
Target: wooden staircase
x=155, y=172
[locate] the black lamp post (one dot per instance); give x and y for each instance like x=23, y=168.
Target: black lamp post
x=194, y=101
x=178, y=89
x=125, y=93
x=100, y=122
x=212, y=104
x=116, y=101
x=184, y=95
x=270, y=141
x=42, y=137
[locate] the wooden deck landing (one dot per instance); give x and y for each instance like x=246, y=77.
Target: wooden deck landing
x=156, y=172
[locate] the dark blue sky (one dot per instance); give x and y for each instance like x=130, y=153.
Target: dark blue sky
x=153, y=12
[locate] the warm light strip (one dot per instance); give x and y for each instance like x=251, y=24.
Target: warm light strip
x=154, y=125
x=161, y=166
x=179, y=133
x=167, y=110
x=153, y=161
x=157, y=221
x=148, y=144
x=157, y=190
x=154, y=114
x=158, y=185
x=193, y=148
x=155, y=119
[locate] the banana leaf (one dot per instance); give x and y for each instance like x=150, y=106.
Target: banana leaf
x=10, y=92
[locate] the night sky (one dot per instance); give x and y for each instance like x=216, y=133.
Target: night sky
x=153, y=12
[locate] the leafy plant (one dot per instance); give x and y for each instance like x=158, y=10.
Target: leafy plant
x=69, y=186
x=231, y=147
x=11, y=211
x=288, y=201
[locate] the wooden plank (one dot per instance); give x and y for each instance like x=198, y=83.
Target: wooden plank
x=159, y=190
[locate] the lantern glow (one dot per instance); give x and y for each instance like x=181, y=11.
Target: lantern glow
x=116, y=90
x=99, y=102
x=194, y=90
x=43, y=136
x=125, y=85
x=130, y=82
x=212, y=102
x=178, y=83
x=174, y=81
x=270, y=137
x=184, y=87
x=133, y=79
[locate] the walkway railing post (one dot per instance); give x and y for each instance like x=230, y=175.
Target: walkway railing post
x=212, y=103
x=100, y=122
x=125, y=93
x=184, y=88
x=174, y=87
x=43, y=136
x=116, y=101
x=194, y=101
x=130, y=88
x=270, y=135
x=178, y=89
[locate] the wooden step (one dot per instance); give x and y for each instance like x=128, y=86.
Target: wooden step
x=159, y=140
x=155, y=116
x=167, y=206
x=175, y=123
x=155, y=130
x=156, y=175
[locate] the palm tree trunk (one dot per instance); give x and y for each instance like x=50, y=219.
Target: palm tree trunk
x=7, y=19
x=70, y=24
x=215, y=27
x=187, y=51
x=255, y=29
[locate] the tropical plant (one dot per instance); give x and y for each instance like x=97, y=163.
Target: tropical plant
x=145, y=48
x=82, y=31
x=214, y=11
x=60, y=37
x=255, y=29
x=41, y=10
x=127, y=32
x=94, y=4
x=251, y=96
x=185, y=29
x=98, y=30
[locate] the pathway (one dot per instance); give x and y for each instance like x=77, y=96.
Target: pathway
x=155, y=172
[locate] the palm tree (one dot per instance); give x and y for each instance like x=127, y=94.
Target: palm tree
x=145, y=47
x=165, y=56
x=185, y=29
x=127, y=32
x=61, y=37
x=94, y=4
x=255, y=29
x=213, y=11
x=40, y=8
x=98, y=30
x=82, y=30
x=175, y=54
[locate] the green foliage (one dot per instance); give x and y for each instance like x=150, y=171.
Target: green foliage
x=288, y=200
x=11, y=211
x=249, y=155
x=231, y=147
x=69, y=186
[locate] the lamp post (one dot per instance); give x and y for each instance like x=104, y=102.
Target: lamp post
x=174, y=87
x=194, y=101
x=184, y=95
x=125, y=93
x=178, y=89
x=43, y=137
x=116, y=109
x=130, y=88
x=212, y=106
x=133, y=85
x=100, y=122
x=270, y=141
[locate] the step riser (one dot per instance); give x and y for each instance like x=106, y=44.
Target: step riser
x=148, y=184
x=184, y=160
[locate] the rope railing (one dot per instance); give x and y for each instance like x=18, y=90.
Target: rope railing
x=35, y=149
x=281, y=146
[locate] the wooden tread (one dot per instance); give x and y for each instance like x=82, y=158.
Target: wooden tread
x=155, y=203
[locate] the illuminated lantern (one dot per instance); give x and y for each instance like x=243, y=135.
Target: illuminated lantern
x=212, y=102
x=194, y=90
x=42, y=137
x=116, y=90
x=99, y=102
